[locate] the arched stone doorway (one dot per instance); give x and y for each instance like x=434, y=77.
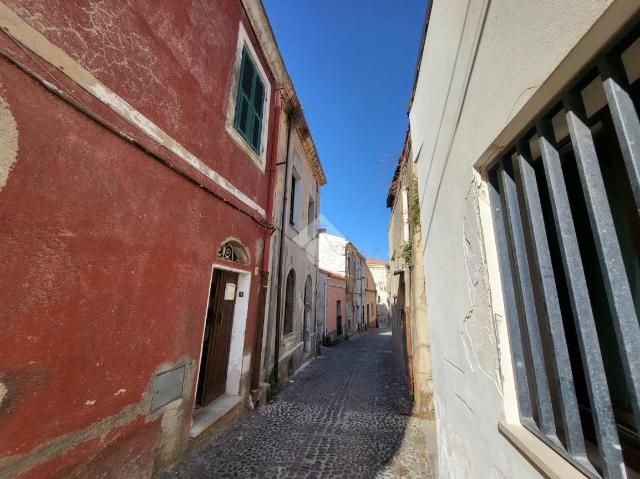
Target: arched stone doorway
x=289, y=302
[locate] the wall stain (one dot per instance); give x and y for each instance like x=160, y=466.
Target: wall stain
x=170, y=443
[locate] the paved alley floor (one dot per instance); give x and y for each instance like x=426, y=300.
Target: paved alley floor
x=344, y=415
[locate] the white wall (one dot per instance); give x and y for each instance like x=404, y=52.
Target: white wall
x=332, y=251
x=472, y=81
x=234, y=369
x=379, y=273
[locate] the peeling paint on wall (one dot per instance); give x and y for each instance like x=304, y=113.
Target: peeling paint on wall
x=122, y=47
x=170, y=442
x=3, y=392
x=8, y=142
x=27, y=36
x=11, y=466
x=497, y=473
x=258, y=246
x=453, y=457
x=479, y=331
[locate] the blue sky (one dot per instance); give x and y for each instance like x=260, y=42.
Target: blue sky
x=352, y=64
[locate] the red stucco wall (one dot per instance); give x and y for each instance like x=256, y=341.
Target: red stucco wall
x=172, y=61
x=106, y=253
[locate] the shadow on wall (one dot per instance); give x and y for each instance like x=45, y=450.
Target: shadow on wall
x=346, y=414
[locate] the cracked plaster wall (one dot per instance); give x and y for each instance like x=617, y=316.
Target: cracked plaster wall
x=158, y=60
x=75, y=372
x=482, y=61
x=479, y=332
x=8, y=142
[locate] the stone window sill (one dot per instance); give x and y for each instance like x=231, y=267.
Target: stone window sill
x=258, y=160
x=541, y=456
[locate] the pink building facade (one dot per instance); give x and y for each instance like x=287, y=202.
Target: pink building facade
x=335, y=310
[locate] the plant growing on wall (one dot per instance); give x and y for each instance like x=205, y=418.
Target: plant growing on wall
x=414, y=202
x=274, y=388
x=406, y=253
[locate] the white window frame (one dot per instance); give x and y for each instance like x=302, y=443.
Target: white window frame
x=260, y=160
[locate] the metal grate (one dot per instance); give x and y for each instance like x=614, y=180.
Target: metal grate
x=231, y=252
x=289, y=302
x=566, y=201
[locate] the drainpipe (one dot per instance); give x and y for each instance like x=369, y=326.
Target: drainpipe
x=264, y=273
x=316, y=233
x=283, y=227
x=409, y=303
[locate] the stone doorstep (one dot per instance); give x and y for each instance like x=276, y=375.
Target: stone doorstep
x=205, y=417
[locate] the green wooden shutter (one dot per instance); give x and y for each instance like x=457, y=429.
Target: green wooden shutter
x=243, y=96
x=258, y=104
x=249, y=103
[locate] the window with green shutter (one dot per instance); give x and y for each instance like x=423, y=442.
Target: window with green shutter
x=249, y=103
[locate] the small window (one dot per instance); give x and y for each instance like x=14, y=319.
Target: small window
x=250, y=99
x=311, y=213
x=292, y=202
x=288, y=302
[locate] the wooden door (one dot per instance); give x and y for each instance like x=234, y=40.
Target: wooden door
x=217, y=336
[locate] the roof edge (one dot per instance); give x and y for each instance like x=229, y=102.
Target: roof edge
x=427, y=17
x=393, y=185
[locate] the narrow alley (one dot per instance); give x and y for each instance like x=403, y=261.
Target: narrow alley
x=320, y=239
x=345, y=415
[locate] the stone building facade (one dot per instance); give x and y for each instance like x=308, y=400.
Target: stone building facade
x=379, y=270
x=524, y=139
x=370, y=295
x=350, y=282
x=408, y=307
x=355, y=288
x=293, y=287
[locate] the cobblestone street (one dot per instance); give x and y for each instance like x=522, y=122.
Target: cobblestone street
x=344, y=415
